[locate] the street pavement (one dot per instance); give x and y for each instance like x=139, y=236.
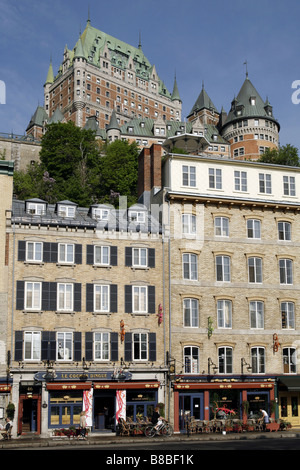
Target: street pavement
x=36, y=442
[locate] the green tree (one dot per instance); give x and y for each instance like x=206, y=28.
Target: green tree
x=119, y=172
x=285, y=155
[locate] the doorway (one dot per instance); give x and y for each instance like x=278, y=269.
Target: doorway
x=104, y=411
x=289, y=407
x=190, y=405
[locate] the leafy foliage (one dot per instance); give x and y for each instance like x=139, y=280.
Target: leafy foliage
x=285, y=155
x=75, y=165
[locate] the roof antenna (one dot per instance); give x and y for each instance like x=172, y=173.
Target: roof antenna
x=140, y=42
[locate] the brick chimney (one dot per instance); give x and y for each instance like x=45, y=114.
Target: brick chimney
x=149, y=170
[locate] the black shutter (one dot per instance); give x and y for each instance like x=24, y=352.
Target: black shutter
x=113, y=298
x=114, y=256
x=128, y=256
x=48, y=345
x=18, y=345
x=89, y=346
x=151, y=299
x=152, y=346
x=77, y=297
x=49, y=296
x=50, y=252
x=151, y=257
x=77, y=346
x=128, y=347
x=128, y=299
x=78, y=254
x=21, y=250
x=114, y=346
x=90, y=297
x=90, y=254
x=20, y=295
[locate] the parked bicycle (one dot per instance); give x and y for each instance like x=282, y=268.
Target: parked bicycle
x=164, y=429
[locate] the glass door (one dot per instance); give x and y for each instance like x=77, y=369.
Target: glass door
x=289, y=407
x=190, y=405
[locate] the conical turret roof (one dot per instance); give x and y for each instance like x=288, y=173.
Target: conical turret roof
x=203, y=102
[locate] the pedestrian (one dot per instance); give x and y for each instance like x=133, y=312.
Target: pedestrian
x=156, y=419
x=264, y=418
x=82, y=425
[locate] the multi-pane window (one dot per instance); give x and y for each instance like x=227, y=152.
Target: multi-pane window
x=65, y=297
x=101, y=346
x=222, y=226
x=215, y=178
x=34, y=251
x=256, y=314
x=287, y=315
x=101, y=298
x=66, y=211
x=258, y=360
x=240, y=180
x=139, y=298
x=286, y=271
x=66, y=253
x=189, y=175
x=289, y=360
x=191, y=360
x=139, y=257
x=265, y=183
x=255, y=269
x=225, y=357
x=100, y=213
x=253, y=228
x=284, y=231
x=191, y=313
x=190, y=269
x=32, y=345
x=188, y=224
x=289, y=186
x=101, y=255
x=64, y=346
x=140, y=346
x=223, y=268
x=33, y=295
x=224, y=313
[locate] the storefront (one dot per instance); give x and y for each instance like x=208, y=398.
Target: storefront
x=206, y=400
x=289, y=399
x=102, y=398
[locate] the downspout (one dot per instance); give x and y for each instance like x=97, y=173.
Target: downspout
x=170, y=308
x=13, y=290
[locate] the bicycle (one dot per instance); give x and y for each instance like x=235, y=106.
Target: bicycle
x=164, y=429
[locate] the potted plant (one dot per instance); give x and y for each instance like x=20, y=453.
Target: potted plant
x=10, y=411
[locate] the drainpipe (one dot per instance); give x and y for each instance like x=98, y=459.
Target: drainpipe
x=170, y=309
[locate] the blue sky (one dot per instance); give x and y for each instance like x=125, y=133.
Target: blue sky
x=202, y=41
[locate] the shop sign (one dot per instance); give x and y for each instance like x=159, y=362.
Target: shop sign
x=82, y=376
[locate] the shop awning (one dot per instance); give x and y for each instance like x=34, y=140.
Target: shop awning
x=291, y=383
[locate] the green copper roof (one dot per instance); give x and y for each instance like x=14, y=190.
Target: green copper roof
x=175, y=93
x=50, y=76
x=38, y=118
x=92, y=43
x=203, y=102
x=249, y=103
x=113, y=123
x=6, y=167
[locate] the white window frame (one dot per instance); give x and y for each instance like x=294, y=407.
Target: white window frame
x=224, y=313
x=225, y=360
x=221, y=226
x=140, y=346
x=255, y=270
x=189, y=224
x=190, y=313
x=189, y=176
x=66, y=211
x=32, y=344
x=65, y=256
x=223, y=271
x=137, y=216
x=65, y=297
x=102, y=255
x=100, y=213
x=191, y=359
x=139, y=299
x=289, y=185
x=240, y=181
x=215, y=178
x=258, y=360
x=101, y=346
x=288, y=309
x=265, y=183
x=33, y=295
x=284, y=230
x=35, y=252
x=64, y=346
x=286, y=271
x=289, y=360
x=139, y=257
x=256, y=314
x=190, y=261
x=101, y=298
x=35, y=208
x=254, y=229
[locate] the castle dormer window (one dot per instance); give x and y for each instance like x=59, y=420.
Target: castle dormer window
x=66, y=211
x=35, y=208
x=253, y=100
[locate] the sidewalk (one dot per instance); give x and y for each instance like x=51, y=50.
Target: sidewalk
x=36, y=442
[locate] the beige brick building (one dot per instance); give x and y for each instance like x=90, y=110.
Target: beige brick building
x=232, y=231
x=85, y=326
